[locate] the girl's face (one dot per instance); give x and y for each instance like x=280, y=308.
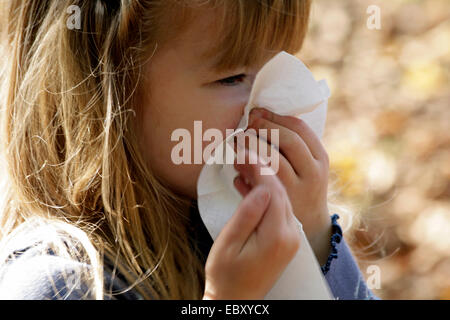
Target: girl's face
x=183, y=88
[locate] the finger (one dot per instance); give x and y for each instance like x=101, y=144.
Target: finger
x=254, y=169
x=250, y=140
x=300, y=127
x=251, y=170
x=242, y=186
x=244, y=221
x=290, y=144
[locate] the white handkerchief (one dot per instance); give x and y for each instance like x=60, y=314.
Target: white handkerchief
x=285, y=86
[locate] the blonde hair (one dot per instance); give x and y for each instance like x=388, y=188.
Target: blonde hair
x=69, y=100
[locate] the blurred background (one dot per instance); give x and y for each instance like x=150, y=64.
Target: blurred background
x=388, y=136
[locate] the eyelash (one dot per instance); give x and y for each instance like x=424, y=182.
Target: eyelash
x=225, y=83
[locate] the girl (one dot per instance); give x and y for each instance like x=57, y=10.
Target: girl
x=93, y=206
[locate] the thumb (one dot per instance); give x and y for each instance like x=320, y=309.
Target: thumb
x=247, y=216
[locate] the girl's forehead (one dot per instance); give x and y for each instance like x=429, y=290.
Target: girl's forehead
x=198, y=39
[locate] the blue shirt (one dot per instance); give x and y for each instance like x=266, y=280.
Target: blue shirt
x=34, y=275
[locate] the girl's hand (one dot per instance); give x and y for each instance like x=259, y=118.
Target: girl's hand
x=303, y=170
x=257, y=243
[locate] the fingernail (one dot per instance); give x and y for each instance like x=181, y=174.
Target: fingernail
x=240, y=180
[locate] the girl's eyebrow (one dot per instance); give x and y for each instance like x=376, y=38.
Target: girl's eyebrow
x=210, y=59
x=207, y=61
x=210, y=65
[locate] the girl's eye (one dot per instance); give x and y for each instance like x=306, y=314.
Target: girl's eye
x=232, y=81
